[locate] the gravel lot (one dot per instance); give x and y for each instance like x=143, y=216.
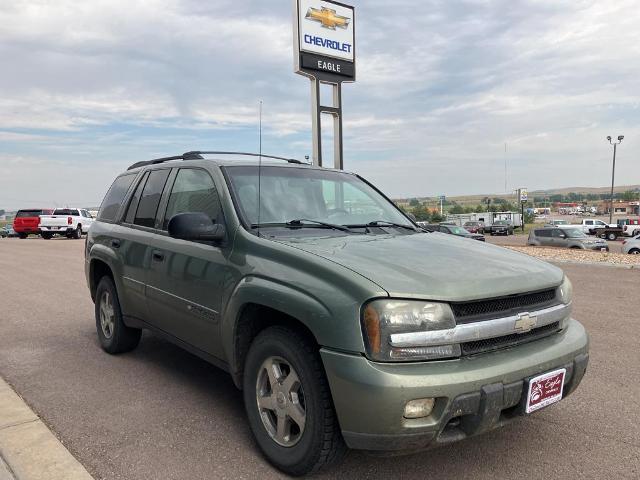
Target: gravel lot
x=579, y=256
x=161, y=413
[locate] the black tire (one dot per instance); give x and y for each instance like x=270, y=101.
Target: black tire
x=121, y=338
x=635, y=251
x=22, y=236
x=321, y=443
x=612, y=236
x=77, y=233
x=46, y=235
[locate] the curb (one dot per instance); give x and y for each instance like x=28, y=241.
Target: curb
x=28, y=449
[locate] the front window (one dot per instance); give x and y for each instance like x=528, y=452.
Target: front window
x=286, y=194
x=458, y=231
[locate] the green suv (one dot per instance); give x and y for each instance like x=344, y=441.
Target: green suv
x=343, y=322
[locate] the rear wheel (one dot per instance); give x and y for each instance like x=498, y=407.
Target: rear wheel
x=288, y=403
x=46, y=235
x=22, y=236
x=635, y=251
x=78, y=232
x=612, y=236
x=114, y=335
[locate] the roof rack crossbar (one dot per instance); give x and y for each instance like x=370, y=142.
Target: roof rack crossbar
x=197, y=155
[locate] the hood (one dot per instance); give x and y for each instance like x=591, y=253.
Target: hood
x=434, y=266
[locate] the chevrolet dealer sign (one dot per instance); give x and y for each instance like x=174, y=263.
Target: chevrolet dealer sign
x=324, y=39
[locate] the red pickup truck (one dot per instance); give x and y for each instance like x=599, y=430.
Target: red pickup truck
x=28, y=221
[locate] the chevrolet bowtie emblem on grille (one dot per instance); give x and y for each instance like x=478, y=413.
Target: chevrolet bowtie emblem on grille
x=524, y=323
x=327, y=17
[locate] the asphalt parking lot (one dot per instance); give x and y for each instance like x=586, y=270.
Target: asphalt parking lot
x=162, y=413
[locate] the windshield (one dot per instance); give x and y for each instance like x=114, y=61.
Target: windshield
x=574, y=233
x=288, y=193
x=501, y=222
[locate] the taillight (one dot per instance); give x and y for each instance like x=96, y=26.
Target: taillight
x=69, y=220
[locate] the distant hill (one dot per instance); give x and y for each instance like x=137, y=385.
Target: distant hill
x=476, y=199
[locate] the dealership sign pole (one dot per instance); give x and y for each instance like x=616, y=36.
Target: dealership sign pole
x=324, y=51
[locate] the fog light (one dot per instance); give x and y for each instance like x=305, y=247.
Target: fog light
x=419, y=408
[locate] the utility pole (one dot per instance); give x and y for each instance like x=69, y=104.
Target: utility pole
x=613, y=173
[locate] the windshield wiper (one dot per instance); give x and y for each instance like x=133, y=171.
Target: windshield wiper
x=304, y=222
x=300, y=223
x=384, y=223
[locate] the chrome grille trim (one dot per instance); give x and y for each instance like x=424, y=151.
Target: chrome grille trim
x=469, y=332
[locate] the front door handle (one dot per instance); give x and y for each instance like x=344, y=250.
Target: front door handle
x=157, y=255
x=115, y=243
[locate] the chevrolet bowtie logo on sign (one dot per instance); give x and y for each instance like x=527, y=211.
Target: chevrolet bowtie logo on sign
x=324, y=38
x=327, y=17
x=525, y=323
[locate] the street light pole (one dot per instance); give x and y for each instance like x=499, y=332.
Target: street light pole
x=613, y=174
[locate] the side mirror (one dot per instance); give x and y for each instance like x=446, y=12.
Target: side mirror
x=195, y=226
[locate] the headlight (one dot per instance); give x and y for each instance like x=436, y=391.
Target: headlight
x=381, y=318
x=566, y=291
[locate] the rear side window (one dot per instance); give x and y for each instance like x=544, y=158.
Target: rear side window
x=135, y=198
x=148, y=206
x=114, y=197
x=193, y=191
x=543, y=233
x=28, y=213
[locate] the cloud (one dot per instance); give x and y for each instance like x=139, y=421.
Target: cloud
x=90, y=87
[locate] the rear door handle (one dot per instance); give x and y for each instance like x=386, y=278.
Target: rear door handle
x=115, y=243
x=157, y=255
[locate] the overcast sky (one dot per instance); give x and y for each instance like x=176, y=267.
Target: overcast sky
x=88, y=88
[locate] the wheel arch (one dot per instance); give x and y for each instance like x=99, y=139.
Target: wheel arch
x=257, y=304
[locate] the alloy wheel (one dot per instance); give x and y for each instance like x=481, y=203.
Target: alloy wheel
x=280, y=400
x=107, y=315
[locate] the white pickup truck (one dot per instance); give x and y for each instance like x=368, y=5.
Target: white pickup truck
x=631, y=230
x=589, y=225
x=71, y=222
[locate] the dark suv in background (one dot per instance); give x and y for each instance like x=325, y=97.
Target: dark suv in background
x=342, y=321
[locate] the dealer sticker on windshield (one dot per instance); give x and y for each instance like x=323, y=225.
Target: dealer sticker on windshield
x=545, y=389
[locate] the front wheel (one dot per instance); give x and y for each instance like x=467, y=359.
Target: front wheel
x=635, y=251
x=288, y=403
x=612, y=236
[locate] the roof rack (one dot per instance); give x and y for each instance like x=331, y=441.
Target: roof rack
x=197, y=155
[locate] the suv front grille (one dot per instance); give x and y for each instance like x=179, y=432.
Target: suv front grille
x=477, y=310
x=489, y=344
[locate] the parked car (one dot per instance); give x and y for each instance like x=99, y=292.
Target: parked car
x=567, y=237
x=7, y=231
x=631, y=246
x=500, y=227
x=344, y=327
x=455, y=230
x=474, y=227
x=631, y=229
x=71, y=222
x=27, y=221
x=556, y=223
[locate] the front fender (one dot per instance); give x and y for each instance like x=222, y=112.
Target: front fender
x=336, y=326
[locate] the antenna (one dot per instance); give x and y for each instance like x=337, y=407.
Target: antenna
x=259, y=161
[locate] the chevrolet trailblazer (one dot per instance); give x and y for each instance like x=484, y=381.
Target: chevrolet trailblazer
x=343, y=322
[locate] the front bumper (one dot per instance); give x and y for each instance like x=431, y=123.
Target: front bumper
x=473, y=394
